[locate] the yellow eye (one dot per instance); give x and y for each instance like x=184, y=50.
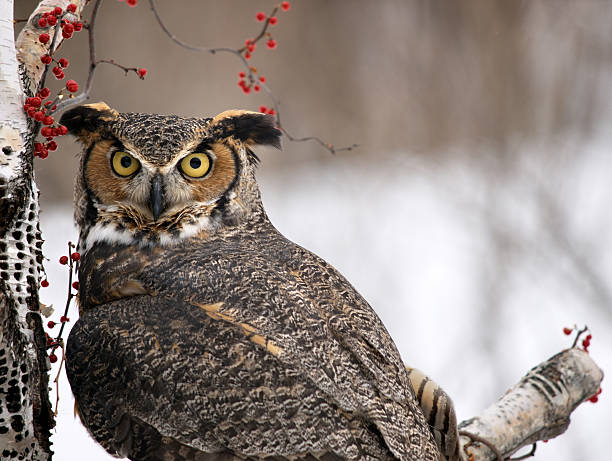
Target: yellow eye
x=124, y=164
x=195, y=165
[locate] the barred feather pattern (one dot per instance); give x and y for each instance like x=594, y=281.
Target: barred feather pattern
x=439, y=412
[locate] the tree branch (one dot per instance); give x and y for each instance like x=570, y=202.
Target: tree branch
x=537, y=408
x=250, y=74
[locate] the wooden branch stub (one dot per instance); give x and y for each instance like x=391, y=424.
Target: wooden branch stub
x=29, y=48
x=538, y=407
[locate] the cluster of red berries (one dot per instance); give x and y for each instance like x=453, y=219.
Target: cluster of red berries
x=252, y=84
x=51, y=323
x=586, y=342
x=260, y=16
x=50, y=18
x=131, y=3
x=40, y=110
x=74, y=256
x=267, y=110
x=36, y=107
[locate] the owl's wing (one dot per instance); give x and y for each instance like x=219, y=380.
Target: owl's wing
x=147, y=368
x=270, y=350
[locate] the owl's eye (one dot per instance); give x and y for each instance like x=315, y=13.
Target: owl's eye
x=195, y=165
x=124, y=164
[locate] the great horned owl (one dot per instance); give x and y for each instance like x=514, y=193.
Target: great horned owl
x=204, y=334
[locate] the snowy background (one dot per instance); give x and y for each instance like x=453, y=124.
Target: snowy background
x=475, y=215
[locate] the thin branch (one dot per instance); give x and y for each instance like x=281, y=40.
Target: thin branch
x=120, y=66
x=250, y=74
x=70, y=295
x=84, y=95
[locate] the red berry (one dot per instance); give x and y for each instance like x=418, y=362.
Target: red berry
x=46, y=131
x=142, y=72
x=68, y=28
x=52, y=145
x=60, y=75
x=75, y=256
x=42, y=22
x=64, y=319
x=262, y=79
x=49, y=339
x=48, y=120
x=263, y=109
x=44, y=153
x=248, y=41
x=273, y=20
x=51, y=324
x=53, y=358
x=246, y=89
x=57, y=11
x=44, y=93
x=588, y=338
x=31, y=111
x=78, y=26
x=45, y=284
x=63, y=260
x=132, y=3
x=72, y=86
x=71, y=7
x=66, y=34
x=271, y=43
x=251, y=48
x=39, y=116
x=35, y=101
x=241, y=74
x=63, y=130
x=52, y=20
x=75, y=285
x=43, y=38
x=285, y=6
x=260, y=16
x=63, y=62
x=256, y=88
x=247, y=55
x=271, y=111
x=38, y=147
x=567, y=331
x=46, y=59
x=56, y=70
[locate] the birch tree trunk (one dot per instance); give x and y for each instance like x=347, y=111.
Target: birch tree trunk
x=25, y=410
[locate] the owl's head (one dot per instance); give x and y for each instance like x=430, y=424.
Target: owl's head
x=157, y=179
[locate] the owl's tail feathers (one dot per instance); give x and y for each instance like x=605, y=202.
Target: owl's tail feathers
x=439, y=413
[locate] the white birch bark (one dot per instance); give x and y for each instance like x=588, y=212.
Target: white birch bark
x=537, y=408
x=25, y=410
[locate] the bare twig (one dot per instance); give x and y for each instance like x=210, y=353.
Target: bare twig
x=84, y=95
x=70, y=295
x=250, y=74
x=56, y=380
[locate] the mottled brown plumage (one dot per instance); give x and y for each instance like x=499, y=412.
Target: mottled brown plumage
x=204, y=333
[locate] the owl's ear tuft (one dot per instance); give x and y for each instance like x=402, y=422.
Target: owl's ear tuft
x=250, y=127
x=83, y=121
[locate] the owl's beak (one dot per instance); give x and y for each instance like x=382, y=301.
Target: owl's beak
x=157, y=196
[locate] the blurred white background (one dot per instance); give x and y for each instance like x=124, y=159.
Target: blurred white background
x=475, y=215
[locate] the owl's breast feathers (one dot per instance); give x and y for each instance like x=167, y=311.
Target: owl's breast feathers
x=243, y=344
